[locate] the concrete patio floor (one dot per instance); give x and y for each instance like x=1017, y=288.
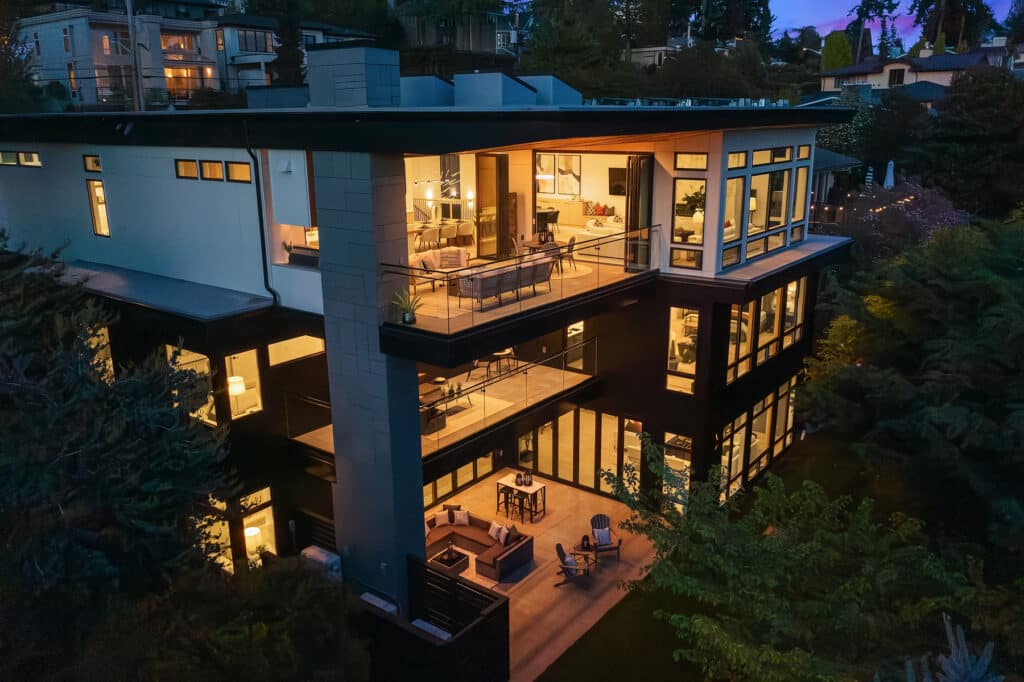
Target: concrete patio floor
x=546, y=620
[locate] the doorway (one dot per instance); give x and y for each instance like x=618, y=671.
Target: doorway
x=492, y=213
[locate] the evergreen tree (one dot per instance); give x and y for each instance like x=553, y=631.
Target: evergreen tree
x=18, y=92
x=1014, y=23
x=97, y=473
x=939, y=46
x=798, y=587
x=972, y=148
x=837, y=52
x=866, y=11
x=968, y=20
x=288, y=67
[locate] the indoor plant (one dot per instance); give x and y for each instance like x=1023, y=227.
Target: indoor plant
x=407, y=305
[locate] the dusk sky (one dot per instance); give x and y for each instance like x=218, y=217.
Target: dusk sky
x=829, y=15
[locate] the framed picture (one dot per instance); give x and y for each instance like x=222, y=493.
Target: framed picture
x=544, y=173
x=569, y=174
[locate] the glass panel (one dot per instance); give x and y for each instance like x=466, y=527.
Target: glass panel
x=428, y=495
x=800, y=195
x=776, y=241
x=678, y=452
x=484, y=465
x=239, y=172
x=691, y=161
x=755, y=248
x=464, y=475
x=212, y=170
x=632, y=450
x=760, y=436
x=220, y=542
x=730, y=256
x=545, y=449
x=768, y=325
x=762, y=157
x=733, y=452
x=244, y=384
x=688, y=221
x=29, y=159
x=682, y=348
x=733, y=209
x=98, y=208
x=803, y=151
x=609, y=449
x=8, y=158
x=797, y=234
x=186, y=169
x=737, y=160
x=769, y=193
x=200, y=364
x=780, y=154
x=588, y=448
x=259, y=533
x=444, y=486
x=526, y=450
x=690, y=259
x=566, y=441
x=92, y=163
x=100, y=343
x=741, y=341
x=294, y=348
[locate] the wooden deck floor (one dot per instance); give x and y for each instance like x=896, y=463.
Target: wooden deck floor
x=546, y=620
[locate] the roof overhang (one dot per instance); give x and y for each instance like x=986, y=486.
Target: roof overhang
x=175, y=296
x=395, y=130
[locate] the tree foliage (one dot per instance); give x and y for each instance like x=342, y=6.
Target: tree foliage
x=282, y=622
x=798, y=587
x=97, y=473
x=973, y=148
x=837, y=52
x=968, y=20
x=925, y=367
x=18, y=92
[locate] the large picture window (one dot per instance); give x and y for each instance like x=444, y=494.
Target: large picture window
x=682, y=349
x=779, y=316
x=769, y=195
x=200, y=364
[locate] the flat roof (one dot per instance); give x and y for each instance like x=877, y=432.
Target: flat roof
x=414, y=130
x=176, y=296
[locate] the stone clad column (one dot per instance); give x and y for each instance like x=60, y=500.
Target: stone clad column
x=378, y=501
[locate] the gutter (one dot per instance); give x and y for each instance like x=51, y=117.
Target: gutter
x=257, y=177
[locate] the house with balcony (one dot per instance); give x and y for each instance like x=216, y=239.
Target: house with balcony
x=90, y=53
x=585, y=274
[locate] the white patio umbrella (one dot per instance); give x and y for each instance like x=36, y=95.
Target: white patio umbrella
x=890, y=176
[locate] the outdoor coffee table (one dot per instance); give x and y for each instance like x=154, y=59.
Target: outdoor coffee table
x=450, y=560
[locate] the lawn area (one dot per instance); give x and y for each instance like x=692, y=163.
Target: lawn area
x=629, y=643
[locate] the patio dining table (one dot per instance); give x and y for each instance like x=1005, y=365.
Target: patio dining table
x=536, y=493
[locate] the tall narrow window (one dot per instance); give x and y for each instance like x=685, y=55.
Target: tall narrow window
x=566, y=445
x=72, y=85
x=98, y=206
x=800, y=195
x=106, y=44
x=682, y=349
x=67, y=39
x=733, y=209
x=741, y=341
x=35, y=40
x=688, y=219
x=244, y=384
x=220, y=40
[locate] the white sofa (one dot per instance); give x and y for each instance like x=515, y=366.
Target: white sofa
x=611, y=247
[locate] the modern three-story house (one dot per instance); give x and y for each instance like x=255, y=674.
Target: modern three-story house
x=584, y=274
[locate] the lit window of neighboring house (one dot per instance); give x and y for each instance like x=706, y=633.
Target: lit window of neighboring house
x=220, y=40
x=71, y=80
x=67, y=39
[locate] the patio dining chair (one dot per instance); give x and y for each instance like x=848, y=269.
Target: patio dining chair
x=567, y=254
x=604, y=544
x=449, y=232
x=571, y=570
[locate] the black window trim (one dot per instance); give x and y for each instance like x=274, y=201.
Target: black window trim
x=695, y=249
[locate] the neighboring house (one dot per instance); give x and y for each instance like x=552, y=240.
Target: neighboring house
x=938, y=69
x=245, y=46
x=587, y=274
x=90, y=54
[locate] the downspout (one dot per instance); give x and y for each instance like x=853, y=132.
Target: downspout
x=259, y=213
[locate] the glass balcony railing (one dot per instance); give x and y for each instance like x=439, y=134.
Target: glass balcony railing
x=308, y=421
x=453, y=299
x=495, y=388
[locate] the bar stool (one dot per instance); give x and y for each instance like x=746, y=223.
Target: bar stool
x=504, y=500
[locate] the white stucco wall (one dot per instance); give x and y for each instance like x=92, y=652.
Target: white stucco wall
x=201, y=231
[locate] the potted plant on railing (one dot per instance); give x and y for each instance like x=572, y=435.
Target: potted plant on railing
x=302, y=255
x=407, y=304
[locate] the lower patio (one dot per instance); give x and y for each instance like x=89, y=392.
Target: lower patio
x=546, y=619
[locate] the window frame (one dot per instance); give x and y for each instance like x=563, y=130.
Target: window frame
x=669, y=371
x=23, y=164
x=678, y=155
x=177, y=169
x=202, y=172
x=94, y=207
x=675, y=195
x=227, y=171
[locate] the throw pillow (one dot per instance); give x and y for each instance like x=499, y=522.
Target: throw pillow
x=426, y=528
x=503, y=536
x=588, y=208
x=609, y=210
x=513, y=535
x=603, y=536
x=451, y=509
x=441, y=519
x=451, y=259
x=599, y=209
x=461, y=518
x=570, y=560
x=495, y=530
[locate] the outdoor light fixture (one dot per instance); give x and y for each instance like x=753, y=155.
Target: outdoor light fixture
x=253, y=540
x=236, y=385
